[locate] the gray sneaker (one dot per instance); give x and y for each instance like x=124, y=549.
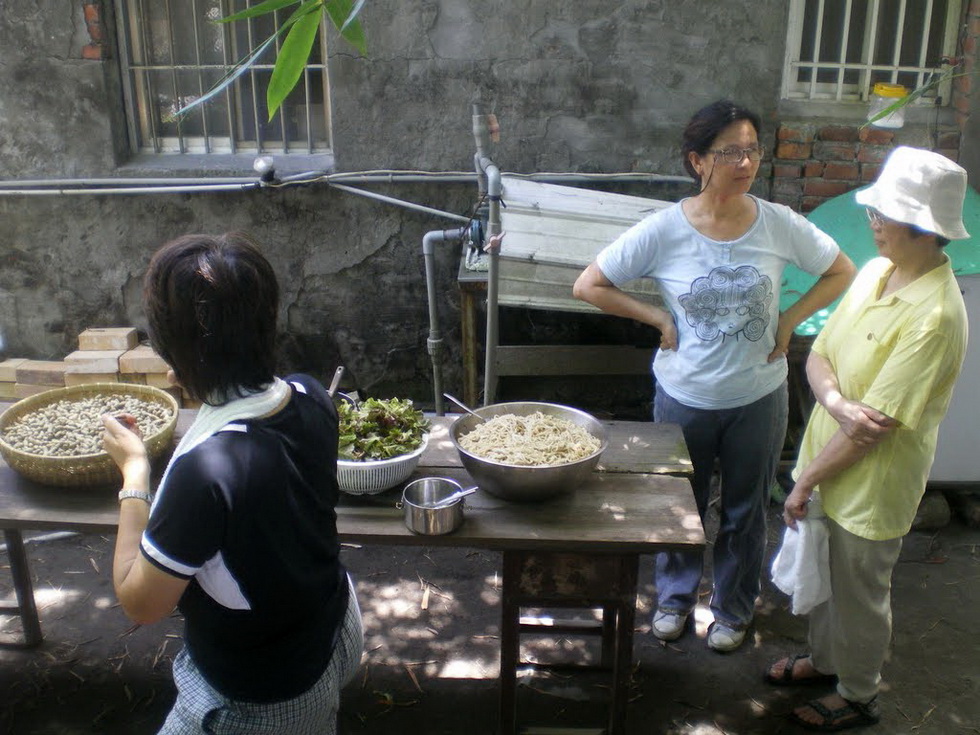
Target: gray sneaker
x=723, y=639
x=668, y=626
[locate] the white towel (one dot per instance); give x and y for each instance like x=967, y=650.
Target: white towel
x=211, y=419
x=801, y=567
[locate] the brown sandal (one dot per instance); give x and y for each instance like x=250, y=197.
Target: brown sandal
x=852, y=714
x=786, y=679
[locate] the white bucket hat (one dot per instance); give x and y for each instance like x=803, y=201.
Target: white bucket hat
x=921, y=188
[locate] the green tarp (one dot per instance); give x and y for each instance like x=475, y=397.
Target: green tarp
x=845, y=220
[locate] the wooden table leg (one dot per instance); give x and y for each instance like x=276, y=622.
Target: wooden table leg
x=510, y=642
x=470, y=341
x=541, y=579
x=623, y=649
x=24, y=589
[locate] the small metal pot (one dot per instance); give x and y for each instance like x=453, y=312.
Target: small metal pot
x=419, y=496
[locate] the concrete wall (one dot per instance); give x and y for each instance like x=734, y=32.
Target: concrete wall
x=589, y=86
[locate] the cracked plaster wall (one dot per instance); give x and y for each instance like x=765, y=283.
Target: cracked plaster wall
x=586, y=86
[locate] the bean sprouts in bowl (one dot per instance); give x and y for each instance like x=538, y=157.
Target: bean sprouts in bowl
x=514, y=481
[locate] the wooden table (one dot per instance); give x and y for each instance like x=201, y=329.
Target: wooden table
x=638, y=502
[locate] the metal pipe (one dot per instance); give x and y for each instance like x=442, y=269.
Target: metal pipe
x=401, y=202
x=68, y=183
x=310, y=177
x=133, y=190
x=434, y=342
x=494, y=191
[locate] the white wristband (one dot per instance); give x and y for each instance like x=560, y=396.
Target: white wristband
x=140, y=494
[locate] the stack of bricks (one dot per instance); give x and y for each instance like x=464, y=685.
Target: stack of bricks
x=813, y=163
x=104, y=355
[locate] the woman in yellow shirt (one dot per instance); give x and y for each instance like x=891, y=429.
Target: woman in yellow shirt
x=882, y=372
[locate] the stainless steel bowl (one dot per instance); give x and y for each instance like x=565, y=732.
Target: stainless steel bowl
x=418, y=500
x=516, y=482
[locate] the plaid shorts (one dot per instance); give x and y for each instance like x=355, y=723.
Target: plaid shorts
x=200, y=710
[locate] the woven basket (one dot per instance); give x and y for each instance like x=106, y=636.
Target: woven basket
x=86, y=469
x=371, y=476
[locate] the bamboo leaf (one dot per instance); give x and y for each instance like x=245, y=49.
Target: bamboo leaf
x=343, y=14
x=226, y=81
x=353, y=15
x=293, y=56
x=915, y=94
x=263, y=8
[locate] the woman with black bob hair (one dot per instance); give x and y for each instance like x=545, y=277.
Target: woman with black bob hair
x=718, y=258
x=201, y=320
x=241, y=535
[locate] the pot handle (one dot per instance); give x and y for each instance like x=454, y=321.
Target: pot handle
x=398, y=504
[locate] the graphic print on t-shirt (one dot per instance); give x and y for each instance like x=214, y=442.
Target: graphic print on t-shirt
x=728, y=302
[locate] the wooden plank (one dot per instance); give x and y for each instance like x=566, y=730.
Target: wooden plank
x=543, y=285
x=566, y=224
x=553, y=232
x=573, y=360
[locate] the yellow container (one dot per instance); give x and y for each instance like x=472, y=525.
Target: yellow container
x=884, y=95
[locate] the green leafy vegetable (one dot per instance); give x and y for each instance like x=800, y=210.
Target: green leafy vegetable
x=380, y=429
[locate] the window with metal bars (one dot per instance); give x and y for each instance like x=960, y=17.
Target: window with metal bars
x=837, y=50
x=174, y=51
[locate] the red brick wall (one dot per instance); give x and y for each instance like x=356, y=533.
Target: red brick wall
x=964, y=85
x=814, y=162
x=96, y=48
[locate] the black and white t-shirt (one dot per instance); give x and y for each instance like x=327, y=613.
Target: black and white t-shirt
x=248, y=516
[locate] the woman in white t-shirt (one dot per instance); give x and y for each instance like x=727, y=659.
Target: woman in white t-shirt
x=718, y=259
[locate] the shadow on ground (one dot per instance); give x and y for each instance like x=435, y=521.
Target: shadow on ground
x=431, y=638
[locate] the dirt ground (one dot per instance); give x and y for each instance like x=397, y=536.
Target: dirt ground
x=431, y=619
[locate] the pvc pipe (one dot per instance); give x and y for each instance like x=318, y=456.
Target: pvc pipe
x=62, y=183
x=494, y=191
x=65, y=187
x=400, y=202
x=131, y=190
x=434, y=341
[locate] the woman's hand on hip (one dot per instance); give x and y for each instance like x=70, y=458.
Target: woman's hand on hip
x=784, y=333
x=664, y=321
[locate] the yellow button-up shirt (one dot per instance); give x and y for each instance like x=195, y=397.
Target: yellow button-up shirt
x=901, y=355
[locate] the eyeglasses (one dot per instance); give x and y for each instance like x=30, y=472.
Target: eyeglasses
x=876, y=218
x=735, y=155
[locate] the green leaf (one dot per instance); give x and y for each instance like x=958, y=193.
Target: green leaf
x=353, y=15
x=912, y=96
x=269, y=6
x=226, y=81
x=343, y=14
x=293, y=55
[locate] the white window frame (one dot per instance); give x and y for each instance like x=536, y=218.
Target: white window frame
x=243, y=107
x=839, y=91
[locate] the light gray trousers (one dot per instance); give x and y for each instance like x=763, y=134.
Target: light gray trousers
x=850, y=633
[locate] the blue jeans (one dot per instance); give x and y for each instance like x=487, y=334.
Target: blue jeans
x=747, y=442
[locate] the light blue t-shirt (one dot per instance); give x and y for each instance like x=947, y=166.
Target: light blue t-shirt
x=724, y=297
